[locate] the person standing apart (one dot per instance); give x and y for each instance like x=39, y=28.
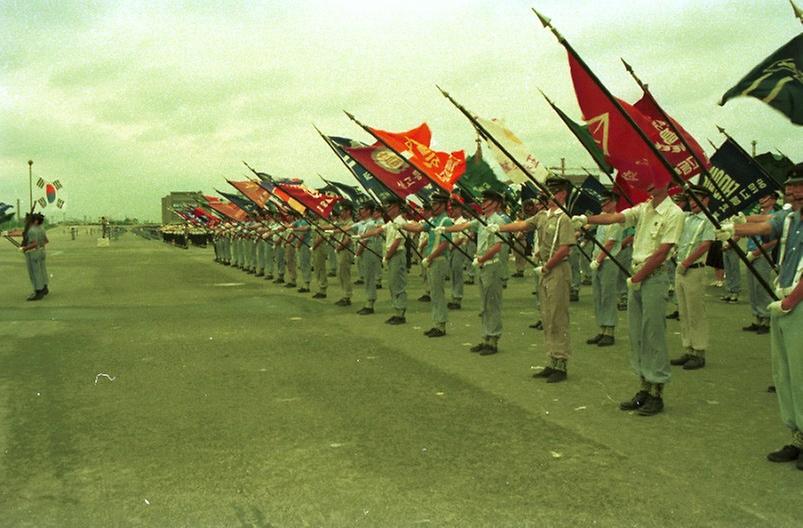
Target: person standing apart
x=34, y=250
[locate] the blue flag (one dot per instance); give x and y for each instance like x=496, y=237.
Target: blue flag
x=587, y=199
x=246, y=205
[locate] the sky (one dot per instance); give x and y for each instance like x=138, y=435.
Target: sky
x=124, y=102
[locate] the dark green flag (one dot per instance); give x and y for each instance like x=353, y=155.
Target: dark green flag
x=479, y=176
x=776, y=165
x=778, y=81
x=581, y=132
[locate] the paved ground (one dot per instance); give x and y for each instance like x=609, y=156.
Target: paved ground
x=237, y=403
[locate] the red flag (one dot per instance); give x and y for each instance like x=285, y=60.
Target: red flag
x=252, y=190
x=623, y=147
x=443, y=168
x=395, y=173
x=668, y=142
x=227, y=209
x=321, y=203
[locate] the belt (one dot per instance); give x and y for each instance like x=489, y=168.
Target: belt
x=696, y=265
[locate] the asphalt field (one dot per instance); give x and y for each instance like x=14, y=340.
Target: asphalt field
x=238, y=403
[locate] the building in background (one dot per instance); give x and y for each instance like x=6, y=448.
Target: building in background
x=178, y=201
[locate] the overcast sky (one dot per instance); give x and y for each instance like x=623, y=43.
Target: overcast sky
x=124, y=102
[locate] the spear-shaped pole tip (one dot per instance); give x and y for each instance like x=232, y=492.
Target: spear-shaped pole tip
x=546, y=22
x=548, y=100
x=721, y=130
x=798, y=12
x=628, y=67
x=350, y=115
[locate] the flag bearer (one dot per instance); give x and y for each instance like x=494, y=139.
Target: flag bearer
x=605, y=273
x=368, y=251
x=344, y=255
x=759, y=298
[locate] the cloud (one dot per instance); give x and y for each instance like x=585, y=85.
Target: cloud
x=125, y=102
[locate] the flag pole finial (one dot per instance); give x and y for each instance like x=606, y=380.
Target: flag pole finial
x=547, y=23
x=632, y=73
x=721, y=130
x=798, y=12
x=548, y=100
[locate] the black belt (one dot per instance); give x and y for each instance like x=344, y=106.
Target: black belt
x=697, y=265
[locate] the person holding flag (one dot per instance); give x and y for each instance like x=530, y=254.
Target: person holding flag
x=303, y=232
x=605, y=275
x=33, y=247
x=489, y=261
x=320, y=252
x=696, y=239
x=759, y=297
x=659, y=223
x=436, y=260
x=786, y=314
x=556, y=236
x=368, y=253
x=343, y=249
x=457, y=260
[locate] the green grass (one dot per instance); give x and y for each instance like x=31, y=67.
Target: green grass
x=229, y=410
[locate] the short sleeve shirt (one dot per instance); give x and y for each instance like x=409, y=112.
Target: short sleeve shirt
x=485, y=239
x=554, y=229
x=697, y=228
x=792, y=245
x=393, y=231
x=609, y=232
x=654, y=226
x=442, y=220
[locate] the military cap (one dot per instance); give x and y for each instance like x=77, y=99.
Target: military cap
x=439, y=197
x=795, y=175
x=556, y=183
x=492, y=194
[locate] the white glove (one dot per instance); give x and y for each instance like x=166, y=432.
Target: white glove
x=725, y=232
x=355, y=238
x=439, y=231
x=635, y=286
x=776, y=308
x=476, y=263
x=492, y=228
x=681, y=270
x=752, y=256
x=543, y=271
x=738, y=219
x=579, y=221
x=384, y=261
x=425, y=262
x=593, y=265
x=726, y=246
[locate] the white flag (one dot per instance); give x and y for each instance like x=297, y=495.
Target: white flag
x=516, y=148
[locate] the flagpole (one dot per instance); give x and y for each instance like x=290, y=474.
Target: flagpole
x=430, y=224
x=605, y=170
x=667, y=166
x=488, y=136
x=702, y=165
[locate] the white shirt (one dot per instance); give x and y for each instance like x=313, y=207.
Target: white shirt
x=654, y=226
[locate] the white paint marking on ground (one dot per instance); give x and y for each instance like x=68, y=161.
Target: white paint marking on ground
x=416, y=328
x=295, y=318
x=370, y=357
x=104, y=375
x=580, y=408
x=147, y=502
x=336, y=445
x=439, y=393
x=228, y=284
x=466, y=344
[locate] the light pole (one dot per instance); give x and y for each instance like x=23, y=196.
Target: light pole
x=30, y=184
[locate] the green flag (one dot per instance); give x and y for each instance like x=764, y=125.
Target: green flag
x=776, y=165
x=581, y=133
x=479, y=176
x=778, y=81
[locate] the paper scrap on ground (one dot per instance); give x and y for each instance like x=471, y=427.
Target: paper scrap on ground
x=555, y=454
x=295, y=318
x=228, y=284
x=104, y=375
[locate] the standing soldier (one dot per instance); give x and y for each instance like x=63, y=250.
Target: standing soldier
x=733, y=275
x=457, y=260
x=436, y=260
x=759, y=298
x=605, y=274
x=368, y=252
x=344, y=255
x=556, y=238
x=786, y=314
x=290, y=253
x=696, y=239
x=659, y=223
x=278, y=249
x=34, y=249
x=320, y=251
x=302, y=228
x=489, y=263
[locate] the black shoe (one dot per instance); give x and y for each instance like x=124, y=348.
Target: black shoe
x=453, y=306
x=479, y=348
x=594, y=340
x=359, y=282
x=752, y=328
x=586, y=282
x=636, y=402
x=606, y=341
x=674, y=315
x=787, y=453
x=557, y=376
x=544, y=373
x=45, y=291
x=574, y=297
x=378, y=286
x=771, y=389
x=435, y=332
x=622, y=306
x=696, y=362
x=366, y=311
x=539, y=325
x=319, y=295
x=343, y=302
x=259, y=274
x=290, y=285
x=302, y=290
x=425, y=298
x=36, y=296
x=268, y=277
x=468, y=282
x=652, y=406
x=279, y=281
x=489, y=350
x=763, y=329
x=396, y=320
x=682, y=360
x=733, y=299
x=518, y=274
x=330, y=274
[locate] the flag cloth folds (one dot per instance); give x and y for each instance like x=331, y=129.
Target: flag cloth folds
x=516, y=148
x=443, y=168
x=279, y=195
x=227, y=209
x=246, y=205
x=252, y=190
x=480, y=177
x=778, y=81
x=582, y=133
x=322, y=204
x=391, y=170
x=742, y=182
x=365, y=178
